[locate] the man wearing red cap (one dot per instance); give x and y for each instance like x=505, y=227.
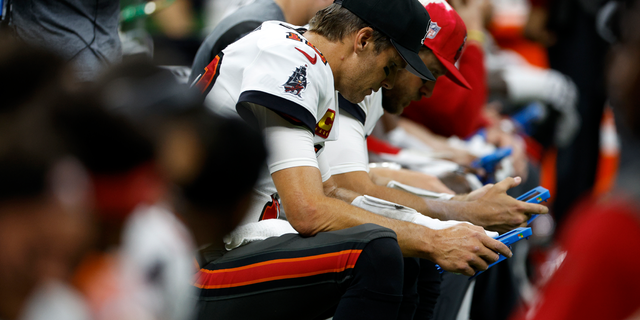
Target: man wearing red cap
x=468, y=103
x=443, y=45
x=323, y=257
x=348, y=155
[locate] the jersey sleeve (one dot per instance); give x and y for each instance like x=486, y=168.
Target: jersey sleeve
x=283, y=79
x=349, y=152
x=289, y=145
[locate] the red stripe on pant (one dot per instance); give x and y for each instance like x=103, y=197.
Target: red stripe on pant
x=277, y=269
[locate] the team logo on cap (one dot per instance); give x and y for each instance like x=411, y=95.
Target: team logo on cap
x=297, y=82
x=433, y=30
x=427, y=33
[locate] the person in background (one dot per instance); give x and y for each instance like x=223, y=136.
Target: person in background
x=44, y=191
x=195, y=149
x=84, y=33
x=247, y=19
x=603, y=232
x=151, y=149
x=282, y=79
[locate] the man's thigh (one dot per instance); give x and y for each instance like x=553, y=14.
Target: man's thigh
x=287, y=277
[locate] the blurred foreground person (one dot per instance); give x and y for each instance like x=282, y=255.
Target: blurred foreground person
x=596, y=277
x=150, y=150
x=197, y=152
x=44, y=192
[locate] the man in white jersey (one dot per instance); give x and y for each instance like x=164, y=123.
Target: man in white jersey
x=323, y=257
x=489, y=207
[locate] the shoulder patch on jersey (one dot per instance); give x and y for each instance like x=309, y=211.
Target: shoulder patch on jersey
x=324, y=126
x=297, y=82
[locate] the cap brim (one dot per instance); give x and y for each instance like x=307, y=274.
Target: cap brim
x=414, y=63
x=453, y=72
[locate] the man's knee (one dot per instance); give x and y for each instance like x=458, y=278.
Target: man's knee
x=382, y=263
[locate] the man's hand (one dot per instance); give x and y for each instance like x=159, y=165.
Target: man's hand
x=475, y=194
x=502, y=139
x=459, y=156
x=496, y=211
x=466, y=249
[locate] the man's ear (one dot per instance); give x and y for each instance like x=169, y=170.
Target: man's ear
x=363, y=40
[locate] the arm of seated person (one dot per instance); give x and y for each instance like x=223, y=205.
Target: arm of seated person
x=382, y=176
x=436, y=142
x=462, y=248
x=491, y=207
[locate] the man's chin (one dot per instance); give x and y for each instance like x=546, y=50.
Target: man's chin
x=354, y=98
x=394, y=110
x=394, y=107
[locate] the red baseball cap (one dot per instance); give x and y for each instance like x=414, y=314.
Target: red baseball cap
x=446, y=37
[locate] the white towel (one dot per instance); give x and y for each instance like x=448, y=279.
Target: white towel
x=256, y=231
x=419, y=192
x=399, y=212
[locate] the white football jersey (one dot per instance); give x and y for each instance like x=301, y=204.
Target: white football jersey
x=357, y=122
x=277, y=68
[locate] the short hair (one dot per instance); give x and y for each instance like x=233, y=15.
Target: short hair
x=335, y=22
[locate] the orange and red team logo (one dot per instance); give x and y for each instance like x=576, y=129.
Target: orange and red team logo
x=293, y=36
x=207, y=79
x=323, y=127
x=271, y=209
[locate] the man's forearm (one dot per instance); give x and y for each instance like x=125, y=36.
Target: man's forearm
x=382, y=176
x=309, y=210
x=439, y=209
x=346, y=216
